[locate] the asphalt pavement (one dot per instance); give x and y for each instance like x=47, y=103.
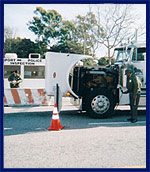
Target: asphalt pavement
x=82, y=143
x=66, y=105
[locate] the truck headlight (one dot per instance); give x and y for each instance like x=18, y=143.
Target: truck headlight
x=68, y=94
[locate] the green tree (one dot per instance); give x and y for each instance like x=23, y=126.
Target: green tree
x=68, y=47
x=25, y=47
x=90, y=62
x=87, y=29
x=10, y=45
x=22, y=47
x=67, y=31
x=103, y=61
x=59, y=35
x=67, y=40
x=45, y=25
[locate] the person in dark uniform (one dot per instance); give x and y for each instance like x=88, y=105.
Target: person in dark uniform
x=14, y=79
x=134, y=90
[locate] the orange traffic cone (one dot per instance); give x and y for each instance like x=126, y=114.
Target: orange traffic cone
x=55, y=124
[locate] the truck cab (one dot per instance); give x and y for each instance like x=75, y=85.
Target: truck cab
x=96, y=88
x=133, y=54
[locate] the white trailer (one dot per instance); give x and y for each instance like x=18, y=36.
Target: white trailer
x=97, y=89
x=31, y=69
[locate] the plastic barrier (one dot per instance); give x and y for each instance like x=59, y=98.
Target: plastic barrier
x=23, y=97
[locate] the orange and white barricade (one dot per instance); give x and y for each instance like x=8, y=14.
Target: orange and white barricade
x=19, y=96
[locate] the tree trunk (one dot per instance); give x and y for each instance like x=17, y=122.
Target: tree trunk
x=84, y=44
x=109, y=56
x=109, y=53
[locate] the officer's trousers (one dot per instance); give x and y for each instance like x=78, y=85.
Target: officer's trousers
x=134, y=105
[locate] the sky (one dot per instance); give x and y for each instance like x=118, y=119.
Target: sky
x=16, y=16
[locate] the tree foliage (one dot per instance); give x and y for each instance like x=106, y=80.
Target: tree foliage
x=45, y=25
x=87, y=29
x=109, y=27
x=67, y=41
x=22, y=47
x=103, y=61
x=90, y=62
x=62, y=35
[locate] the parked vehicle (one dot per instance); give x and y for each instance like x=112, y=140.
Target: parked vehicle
x=96, y=90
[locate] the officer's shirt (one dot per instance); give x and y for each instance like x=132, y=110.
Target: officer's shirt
x=14, y=78
x=133, y=84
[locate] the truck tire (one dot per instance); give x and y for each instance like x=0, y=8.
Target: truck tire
x=100, y=103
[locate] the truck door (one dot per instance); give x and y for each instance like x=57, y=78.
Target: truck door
x=139, y=61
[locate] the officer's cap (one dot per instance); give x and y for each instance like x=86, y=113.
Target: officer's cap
x=16, y=71
x=128, y=70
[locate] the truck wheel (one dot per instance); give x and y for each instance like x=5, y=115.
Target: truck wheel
x=99, y=104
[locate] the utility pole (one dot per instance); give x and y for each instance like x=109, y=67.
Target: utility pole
x=136, y=35
x=84, y=44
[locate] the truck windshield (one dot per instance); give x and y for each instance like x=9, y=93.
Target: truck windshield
x=141, y=54
x=120, y=54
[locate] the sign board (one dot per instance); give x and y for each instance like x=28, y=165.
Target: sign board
x=25, y=62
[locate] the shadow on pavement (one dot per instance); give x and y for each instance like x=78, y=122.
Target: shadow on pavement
x=22, y=123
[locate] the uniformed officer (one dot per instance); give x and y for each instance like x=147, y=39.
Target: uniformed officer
x=14, y=79
x=134, y=89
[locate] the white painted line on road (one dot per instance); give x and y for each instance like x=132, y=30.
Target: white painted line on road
x=7, y=128
x=138, y=166
x=114, y=123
